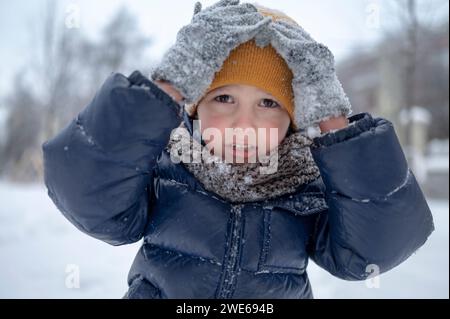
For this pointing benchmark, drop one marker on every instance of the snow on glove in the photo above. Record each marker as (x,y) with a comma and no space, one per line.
(203,45)
(318,93)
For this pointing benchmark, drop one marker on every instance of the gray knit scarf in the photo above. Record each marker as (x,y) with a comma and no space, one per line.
(246,182)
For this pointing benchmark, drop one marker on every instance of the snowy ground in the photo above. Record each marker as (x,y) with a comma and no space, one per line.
(38,249)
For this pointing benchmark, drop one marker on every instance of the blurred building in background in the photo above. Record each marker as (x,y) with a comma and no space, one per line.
(381,81)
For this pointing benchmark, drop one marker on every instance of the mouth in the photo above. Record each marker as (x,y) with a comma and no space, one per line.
(243,150)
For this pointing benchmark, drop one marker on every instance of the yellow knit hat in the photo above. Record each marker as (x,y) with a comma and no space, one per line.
(260,67)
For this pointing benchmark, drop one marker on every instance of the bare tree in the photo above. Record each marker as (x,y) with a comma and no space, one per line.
(417,21)
(23,128)
(52,88)
(120,49)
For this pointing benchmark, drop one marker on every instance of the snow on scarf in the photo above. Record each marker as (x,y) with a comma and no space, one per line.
(245,182)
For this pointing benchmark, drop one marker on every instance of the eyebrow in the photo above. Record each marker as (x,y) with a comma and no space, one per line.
(227,90)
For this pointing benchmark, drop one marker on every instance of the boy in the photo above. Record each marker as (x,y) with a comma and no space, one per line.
(219,227)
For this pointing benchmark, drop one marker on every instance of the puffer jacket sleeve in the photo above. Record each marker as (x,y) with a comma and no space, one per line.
(98,169)
(377,214)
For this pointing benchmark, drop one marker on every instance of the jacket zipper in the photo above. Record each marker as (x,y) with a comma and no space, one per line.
(231,255)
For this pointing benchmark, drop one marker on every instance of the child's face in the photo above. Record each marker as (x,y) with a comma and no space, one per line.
(243,107)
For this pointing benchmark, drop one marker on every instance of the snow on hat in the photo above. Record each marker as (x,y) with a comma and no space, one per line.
(262,67)
(315,93)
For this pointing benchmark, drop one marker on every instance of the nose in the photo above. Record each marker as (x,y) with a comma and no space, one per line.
(244,117)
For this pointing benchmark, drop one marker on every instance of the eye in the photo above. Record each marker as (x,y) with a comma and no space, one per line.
(225,98)
(270,103)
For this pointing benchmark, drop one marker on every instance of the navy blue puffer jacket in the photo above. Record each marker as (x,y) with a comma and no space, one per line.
(108,174)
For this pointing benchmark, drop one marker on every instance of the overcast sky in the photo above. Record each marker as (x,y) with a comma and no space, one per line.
(343,25)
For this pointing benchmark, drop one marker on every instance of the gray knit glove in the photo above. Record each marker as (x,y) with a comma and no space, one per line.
(203,45)
(318,93)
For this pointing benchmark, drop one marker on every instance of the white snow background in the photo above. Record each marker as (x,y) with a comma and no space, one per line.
(38,247)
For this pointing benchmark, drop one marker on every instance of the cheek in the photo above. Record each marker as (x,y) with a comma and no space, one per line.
(274,132)
(210,126)
(209,118)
